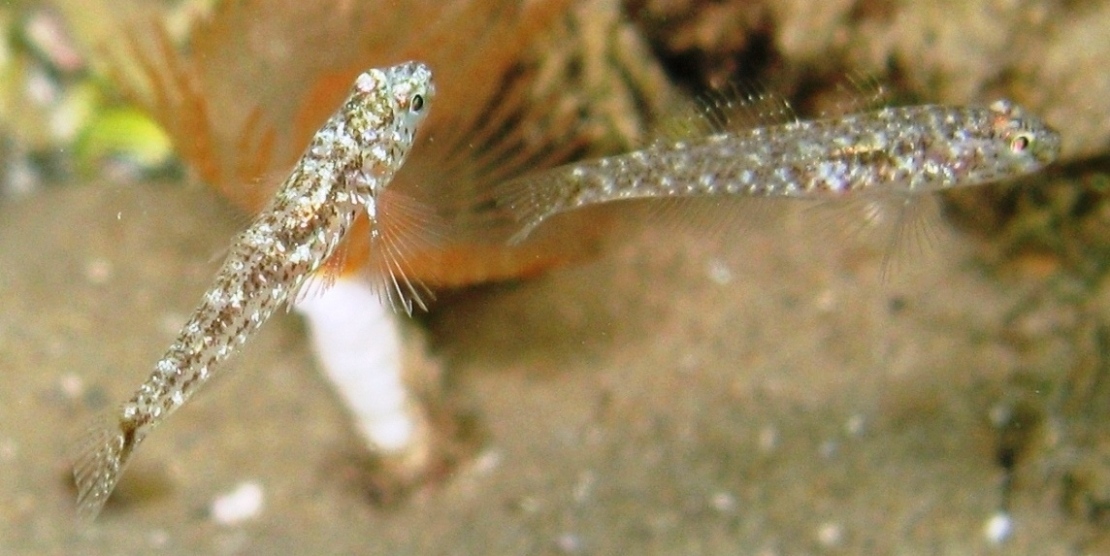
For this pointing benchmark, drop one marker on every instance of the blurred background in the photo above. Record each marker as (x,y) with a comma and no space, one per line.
(621,383)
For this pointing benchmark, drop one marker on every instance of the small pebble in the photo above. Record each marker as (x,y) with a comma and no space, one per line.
(584,487)
(72,386)
(241,504)
(8,450)
(719,272)
(486,462)
(854,425)
(830,534)
(98,271)
(170,322)
(569,543)
(998,528)
(768,439)
(723,502)
(158,538)
(825,301)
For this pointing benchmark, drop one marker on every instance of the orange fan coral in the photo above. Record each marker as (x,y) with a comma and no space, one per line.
(260,76)
(519,87)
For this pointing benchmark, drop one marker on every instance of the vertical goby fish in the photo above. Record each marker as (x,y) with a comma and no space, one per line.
(901,150)
(345,170)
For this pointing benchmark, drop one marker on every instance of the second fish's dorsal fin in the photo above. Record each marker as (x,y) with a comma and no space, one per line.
(742,104)
(856,92)
(733,107)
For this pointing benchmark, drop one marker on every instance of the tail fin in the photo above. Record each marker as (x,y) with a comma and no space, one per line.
(100,455)
(533,198)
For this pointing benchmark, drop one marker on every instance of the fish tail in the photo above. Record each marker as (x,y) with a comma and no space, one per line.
(99,457)
(530,200)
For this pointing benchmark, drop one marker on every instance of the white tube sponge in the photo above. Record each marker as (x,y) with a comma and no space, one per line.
(357,341)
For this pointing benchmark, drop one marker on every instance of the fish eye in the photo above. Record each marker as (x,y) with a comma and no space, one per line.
(1021,142)
(417,103)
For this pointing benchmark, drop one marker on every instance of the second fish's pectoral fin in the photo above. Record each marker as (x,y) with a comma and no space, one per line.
(918,235)
(906,229)
(404,228)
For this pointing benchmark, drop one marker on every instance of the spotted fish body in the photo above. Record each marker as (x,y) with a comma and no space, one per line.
(902,150)
(344,171)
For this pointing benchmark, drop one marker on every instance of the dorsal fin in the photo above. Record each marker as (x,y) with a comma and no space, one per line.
(526,200)
(734,107)
(856,92)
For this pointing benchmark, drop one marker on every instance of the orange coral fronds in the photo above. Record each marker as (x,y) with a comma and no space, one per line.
(260,76)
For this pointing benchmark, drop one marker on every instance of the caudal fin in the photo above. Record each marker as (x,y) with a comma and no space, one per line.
(533,198)
(100,455)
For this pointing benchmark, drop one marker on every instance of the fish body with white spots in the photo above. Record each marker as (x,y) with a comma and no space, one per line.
(345,170)
(903,151)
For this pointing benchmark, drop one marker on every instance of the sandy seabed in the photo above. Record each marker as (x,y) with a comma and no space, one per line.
(758,392)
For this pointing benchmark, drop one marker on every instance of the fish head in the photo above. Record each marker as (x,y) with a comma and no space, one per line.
(383,113)
(1028,144)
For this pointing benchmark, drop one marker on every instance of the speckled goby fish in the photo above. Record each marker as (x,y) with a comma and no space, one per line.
(346,169)
(900,150)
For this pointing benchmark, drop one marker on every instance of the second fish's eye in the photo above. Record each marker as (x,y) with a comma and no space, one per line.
(417,103)
(1020,143)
